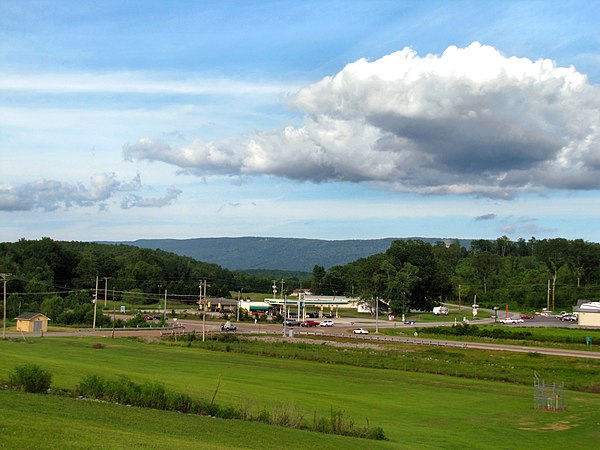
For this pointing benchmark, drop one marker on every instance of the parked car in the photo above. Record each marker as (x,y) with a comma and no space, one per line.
(527,316)
(312,315)
(326,323)
(360,331)
(569,318)
(310,323)
(148,317)
(228,326)
(291,323)
(511,321)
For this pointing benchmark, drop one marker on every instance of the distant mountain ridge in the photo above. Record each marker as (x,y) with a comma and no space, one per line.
(294,254)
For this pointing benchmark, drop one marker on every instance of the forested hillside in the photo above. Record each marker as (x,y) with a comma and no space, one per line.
(532,274)
(248,253)
(59,278)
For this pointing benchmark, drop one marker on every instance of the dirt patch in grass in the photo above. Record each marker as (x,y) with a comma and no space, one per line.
(561,425)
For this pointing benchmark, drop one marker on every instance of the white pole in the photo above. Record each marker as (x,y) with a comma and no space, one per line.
(105,288)
(95,302)
(165,314)
(284,314)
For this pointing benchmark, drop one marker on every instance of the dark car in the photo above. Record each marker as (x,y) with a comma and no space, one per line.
(310,323)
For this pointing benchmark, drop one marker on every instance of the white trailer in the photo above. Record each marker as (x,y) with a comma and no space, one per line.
(440,311)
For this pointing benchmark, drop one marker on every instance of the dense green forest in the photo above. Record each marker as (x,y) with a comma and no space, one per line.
(524,274)
(59,278)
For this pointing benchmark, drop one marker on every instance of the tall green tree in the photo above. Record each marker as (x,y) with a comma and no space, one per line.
(486,264)
(554,253)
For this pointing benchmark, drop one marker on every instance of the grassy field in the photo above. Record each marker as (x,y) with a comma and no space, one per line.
(415,410)
(50,422)
(556,337)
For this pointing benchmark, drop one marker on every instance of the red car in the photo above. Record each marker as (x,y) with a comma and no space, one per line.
(310,323)
(527,316)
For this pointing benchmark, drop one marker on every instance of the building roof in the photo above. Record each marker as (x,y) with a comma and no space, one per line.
(587,306)
(29,316)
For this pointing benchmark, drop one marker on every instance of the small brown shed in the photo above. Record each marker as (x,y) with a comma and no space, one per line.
(32,323)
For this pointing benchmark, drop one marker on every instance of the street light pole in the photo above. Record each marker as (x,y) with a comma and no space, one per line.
(238,304)
(377,315)
(284,314)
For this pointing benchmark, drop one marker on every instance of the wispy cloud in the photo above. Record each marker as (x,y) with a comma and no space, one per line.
(490,216)
(136,83)
(51,195)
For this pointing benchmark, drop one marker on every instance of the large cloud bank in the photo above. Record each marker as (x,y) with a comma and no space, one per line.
(468,121)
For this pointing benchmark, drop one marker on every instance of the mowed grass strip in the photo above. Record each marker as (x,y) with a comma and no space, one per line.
(415,410)
(577,373)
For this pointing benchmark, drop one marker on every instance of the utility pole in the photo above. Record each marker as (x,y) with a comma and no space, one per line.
(165,314)
(95,302)
(203,304)
(4,277)
(105,288)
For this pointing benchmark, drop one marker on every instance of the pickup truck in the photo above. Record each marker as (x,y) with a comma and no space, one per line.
(511,321)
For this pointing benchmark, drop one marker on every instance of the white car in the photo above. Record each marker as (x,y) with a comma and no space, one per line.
(326,323)
(511,321)
(360,331)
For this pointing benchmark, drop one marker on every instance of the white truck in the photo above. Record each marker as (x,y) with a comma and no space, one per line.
(440,311)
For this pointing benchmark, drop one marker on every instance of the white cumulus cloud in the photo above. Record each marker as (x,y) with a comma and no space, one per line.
(468,121)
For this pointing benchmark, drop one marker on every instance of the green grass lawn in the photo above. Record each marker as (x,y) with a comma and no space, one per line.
(556,337)
(50,422)
(415,410)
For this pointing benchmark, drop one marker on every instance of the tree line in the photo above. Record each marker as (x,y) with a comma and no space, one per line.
(412,274)
(58,278)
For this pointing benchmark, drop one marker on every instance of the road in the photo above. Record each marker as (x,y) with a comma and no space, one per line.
(342,327)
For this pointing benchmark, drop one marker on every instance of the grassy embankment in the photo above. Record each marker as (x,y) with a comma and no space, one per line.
(415,410)
(555,337)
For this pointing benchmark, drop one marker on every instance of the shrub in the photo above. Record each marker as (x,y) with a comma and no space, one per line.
(91,386)
(30,378)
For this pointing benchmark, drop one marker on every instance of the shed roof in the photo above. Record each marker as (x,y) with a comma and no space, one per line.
(29,316)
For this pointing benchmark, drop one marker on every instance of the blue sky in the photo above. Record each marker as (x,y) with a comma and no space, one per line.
(122,120)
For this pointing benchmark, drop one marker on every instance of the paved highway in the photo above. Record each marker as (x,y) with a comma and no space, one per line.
(342,327)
